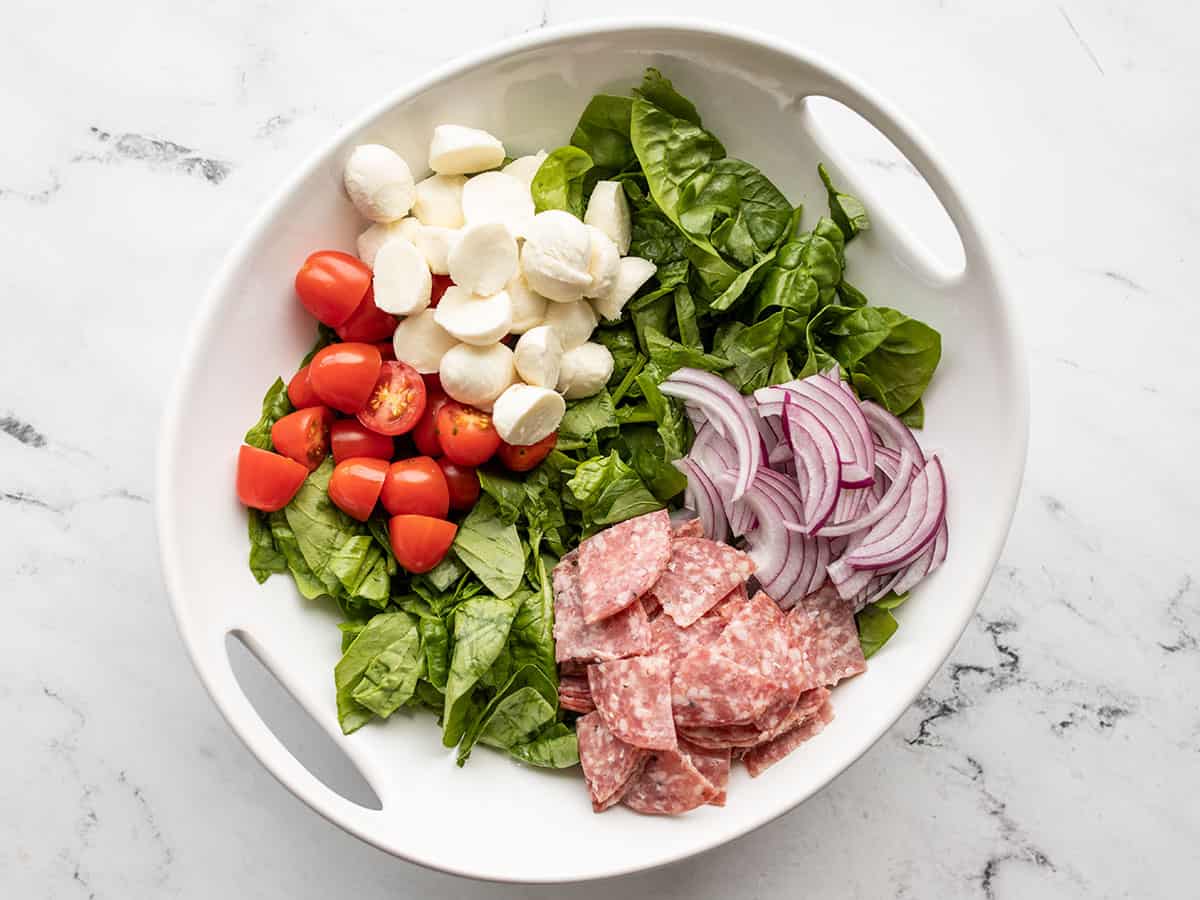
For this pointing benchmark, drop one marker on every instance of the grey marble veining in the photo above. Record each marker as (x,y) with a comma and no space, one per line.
(1056,753)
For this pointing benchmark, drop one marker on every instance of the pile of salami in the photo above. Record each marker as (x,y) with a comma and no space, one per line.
(677,669)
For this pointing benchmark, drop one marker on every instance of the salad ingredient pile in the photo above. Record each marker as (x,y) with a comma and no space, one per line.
(599,453)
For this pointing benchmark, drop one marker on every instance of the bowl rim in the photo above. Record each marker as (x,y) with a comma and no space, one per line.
(978,253)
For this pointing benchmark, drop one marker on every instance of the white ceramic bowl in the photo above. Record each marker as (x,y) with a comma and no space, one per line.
(495,819)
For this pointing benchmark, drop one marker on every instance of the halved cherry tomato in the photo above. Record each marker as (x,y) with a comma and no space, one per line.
(367,323)
(466,434)
(416,486)
(349,438)
(461,482)
(397,400)
(331,284)
(300,390)
(344,375)
(440,284)
(424,433)
(303,435)
(420,542)
(517,458)
(387,350)
(355,484)
(266,480)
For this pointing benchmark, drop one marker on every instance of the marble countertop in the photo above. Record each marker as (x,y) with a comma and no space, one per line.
(1056,753)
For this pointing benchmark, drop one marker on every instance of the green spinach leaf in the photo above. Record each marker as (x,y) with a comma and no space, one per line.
(481,627)
(265,558)
(658,90)
(560,181)
(847,211)
(876,625)
(555,748)
(490,548)
(275,406)
(607,491)
(897,353)
(603,134)
(377,636)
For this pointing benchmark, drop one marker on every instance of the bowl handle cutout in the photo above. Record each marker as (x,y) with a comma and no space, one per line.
(874,155)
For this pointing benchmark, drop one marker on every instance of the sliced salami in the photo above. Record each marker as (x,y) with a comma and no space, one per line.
(673,642)
(690,528)
(699,575)
(652,606)
(633,696)
(810,701)
(762,757)
(713,765)
(572,667)
(822,626)
(723,737)
(756,638)
(618,636)
(575,694)
(669,785)
(710,689)
(619,564)
(610,766)
(729,603)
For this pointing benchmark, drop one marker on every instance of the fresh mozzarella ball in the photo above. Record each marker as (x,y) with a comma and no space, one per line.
(523,168)
(556,254)
(608,210)
(421,342)
(379,183)
(633,273)
(603,263)
(497,197)
(484,260)
(458,150)
(436,243)
(402,281)
(439,201)
(477,375)
(573,321)
(584,371)
(538,355)
(474,320)
(529,307)
(525,414)
(379,234)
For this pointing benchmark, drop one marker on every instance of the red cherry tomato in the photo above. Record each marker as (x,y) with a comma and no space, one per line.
(355,484)
(416,486)
(461,482)
(420,542)
(424,433)
(344,375)
(517,458)
(300,391)
(331,284)
(387,350)
(367,323)
(266,480)
(466,434)
(303,435)
(349,438)
(396,401)
(440,284)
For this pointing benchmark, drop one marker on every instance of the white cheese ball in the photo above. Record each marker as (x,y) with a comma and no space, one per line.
(523,168)
(631,275)
(584,371)
(538,355)
(604,262)
(475,375)
(402,282)
(379,183)
(528,306)
(497,197)
(556,254)
(525,414)
(472,319)
(380,233)
(421,342)
(485,259)
(438,201)
(435,243)
(574,322)
(608,210)
(458,150)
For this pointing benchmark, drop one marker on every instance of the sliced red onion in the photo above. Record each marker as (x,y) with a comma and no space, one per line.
(849,581)
(832,413)
(719,402)
(925,564)
(784,559)
(885,505)
(862,468)
(714,453)
(818,465)
(904,532)
(889,430)
(702,496)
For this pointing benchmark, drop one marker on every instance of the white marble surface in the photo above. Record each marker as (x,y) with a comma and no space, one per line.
(1056,755)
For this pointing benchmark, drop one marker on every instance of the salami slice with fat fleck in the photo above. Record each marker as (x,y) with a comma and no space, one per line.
(710,689)
(762,757)
(722,737)
(690,528)
(609,765)
(619,564)
(633,696)
(668,786)
(668,639)
(575,694)
(625,634)
(713,765)
(822,626)
(700,573)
